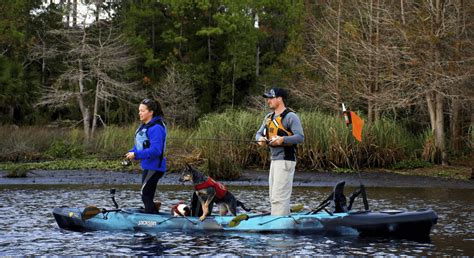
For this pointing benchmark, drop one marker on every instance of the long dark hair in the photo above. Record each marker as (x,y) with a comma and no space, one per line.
(153,105)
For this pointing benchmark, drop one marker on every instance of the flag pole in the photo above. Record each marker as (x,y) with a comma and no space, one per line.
(349,117)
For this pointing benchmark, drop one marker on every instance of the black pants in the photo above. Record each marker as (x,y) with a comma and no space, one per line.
(149,181)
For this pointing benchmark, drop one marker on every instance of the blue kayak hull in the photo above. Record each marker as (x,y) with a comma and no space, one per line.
(414,224)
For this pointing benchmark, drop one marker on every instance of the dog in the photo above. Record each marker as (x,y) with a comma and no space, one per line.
(208,191)
(180,210)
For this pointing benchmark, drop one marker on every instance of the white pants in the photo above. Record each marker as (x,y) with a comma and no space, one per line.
(281,184)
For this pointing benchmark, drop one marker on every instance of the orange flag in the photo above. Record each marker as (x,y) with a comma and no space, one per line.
(357,124)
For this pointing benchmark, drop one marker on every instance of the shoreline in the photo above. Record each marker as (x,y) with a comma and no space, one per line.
(248,178)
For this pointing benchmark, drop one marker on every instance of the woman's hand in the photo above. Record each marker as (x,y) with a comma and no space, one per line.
(130,155)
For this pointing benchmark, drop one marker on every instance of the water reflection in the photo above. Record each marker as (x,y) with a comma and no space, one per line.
(28,227)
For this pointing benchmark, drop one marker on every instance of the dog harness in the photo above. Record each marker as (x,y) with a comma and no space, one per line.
(274,127)
(221,190)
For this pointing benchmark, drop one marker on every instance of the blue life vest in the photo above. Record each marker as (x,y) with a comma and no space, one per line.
(142,140)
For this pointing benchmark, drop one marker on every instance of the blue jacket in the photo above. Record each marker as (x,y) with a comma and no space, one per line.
(150,157)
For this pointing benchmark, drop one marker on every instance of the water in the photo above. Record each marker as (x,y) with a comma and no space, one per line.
(28,227)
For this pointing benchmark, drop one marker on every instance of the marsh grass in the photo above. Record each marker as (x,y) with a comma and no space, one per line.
(227,144)
(221,145)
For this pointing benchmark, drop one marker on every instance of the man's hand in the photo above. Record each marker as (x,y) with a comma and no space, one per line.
(130,155)
(262,141)
(276,141)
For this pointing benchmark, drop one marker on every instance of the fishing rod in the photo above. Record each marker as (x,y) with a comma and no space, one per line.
(214,139)
(53,159)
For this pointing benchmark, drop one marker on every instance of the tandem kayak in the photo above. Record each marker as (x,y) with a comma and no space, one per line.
(332,216)
(397,223)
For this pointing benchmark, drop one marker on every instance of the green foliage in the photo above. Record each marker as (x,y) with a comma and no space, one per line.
(18,82)
(64,149)
(389,142)
(223,144)
(443,173)
(412,164)
(69,164)
(114,141)
(226,142)
(325,139)
(17,171)
(342,170)
(328,143)
(215,43)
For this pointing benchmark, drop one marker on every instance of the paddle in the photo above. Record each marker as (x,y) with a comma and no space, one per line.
(91,211)
(237,219)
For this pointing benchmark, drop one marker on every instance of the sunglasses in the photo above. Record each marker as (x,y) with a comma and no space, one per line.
(147,101)
(272,94)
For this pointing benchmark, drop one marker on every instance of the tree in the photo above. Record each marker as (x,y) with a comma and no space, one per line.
(391,57)
(176,95)
(18,82)
(441,52)
(95,60)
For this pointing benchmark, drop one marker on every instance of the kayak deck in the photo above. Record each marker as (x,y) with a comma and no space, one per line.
(366,223)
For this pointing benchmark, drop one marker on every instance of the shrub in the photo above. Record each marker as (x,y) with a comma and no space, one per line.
(63,149)
(18,171)
(411,164)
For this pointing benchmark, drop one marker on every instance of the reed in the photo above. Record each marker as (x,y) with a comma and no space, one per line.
(113,141)
(28,143)
(326,141)
(225,143)
(387,143)
(222,144)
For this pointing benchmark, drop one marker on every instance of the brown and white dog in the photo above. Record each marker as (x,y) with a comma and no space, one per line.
(180,210)
(209,191)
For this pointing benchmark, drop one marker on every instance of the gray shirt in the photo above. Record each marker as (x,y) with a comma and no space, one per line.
(290,122)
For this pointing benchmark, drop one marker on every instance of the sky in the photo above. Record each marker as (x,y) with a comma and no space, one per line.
(84,12)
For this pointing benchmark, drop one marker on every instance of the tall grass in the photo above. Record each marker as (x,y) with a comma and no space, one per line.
(222,144)
(326,141)
(113,141)
(28,143)
(388,142)
(225,142)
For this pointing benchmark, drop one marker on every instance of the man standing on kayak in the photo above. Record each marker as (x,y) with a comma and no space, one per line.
(281,130)
(149,148)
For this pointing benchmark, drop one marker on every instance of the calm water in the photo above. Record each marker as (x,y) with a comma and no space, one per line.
(27,226)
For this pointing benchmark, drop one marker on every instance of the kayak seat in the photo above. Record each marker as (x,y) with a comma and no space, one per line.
(338,202)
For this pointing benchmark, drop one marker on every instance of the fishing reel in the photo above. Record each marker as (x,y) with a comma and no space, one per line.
(126,162)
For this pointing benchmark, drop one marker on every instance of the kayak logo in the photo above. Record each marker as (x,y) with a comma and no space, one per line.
(147,223)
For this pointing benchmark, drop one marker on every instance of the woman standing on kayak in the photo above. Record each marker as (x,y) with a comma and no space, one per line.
(149,148)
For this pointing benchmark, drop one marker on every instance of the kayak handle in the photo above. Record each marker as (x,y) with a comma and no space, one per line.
(163,221)
(289,216)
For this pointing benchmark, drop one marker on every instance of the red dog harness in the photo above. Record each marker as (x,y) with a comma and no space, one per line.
(221,190)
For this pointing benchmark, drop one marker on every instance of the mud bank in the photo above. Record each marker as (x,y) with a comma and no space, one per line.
(249,178)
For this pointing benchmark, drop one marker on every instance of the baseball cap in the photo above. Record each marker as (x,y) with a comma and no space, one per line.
(275,92)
